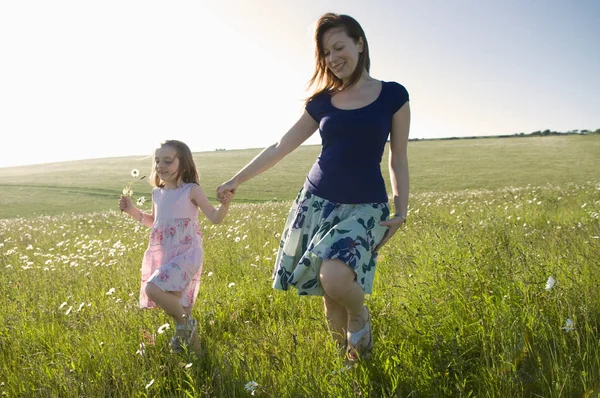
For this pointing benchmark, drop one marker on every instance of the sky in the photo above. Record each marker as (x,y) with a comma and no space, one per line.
(94,79)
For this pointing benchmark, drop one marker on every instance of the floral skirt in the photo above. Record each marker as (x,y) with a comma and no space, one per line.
(173,269)
(317,230)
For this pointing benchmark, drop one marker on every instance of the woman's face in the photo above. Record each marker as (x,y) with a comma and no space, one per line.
(341,52)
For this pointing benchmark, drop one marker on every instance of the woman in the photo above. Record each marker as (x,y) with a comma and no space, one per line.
(340,218)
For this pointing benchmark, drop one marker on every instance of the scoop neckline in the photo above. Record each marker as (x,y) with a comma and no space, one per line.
(362,107)
(176,188)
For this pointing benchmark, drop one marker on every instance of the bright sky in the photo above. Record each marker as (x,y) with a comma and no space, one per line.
(89,79)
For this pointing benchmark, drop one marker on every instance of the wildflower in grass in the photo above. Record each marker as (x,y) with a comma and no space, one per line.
(569,325)
(110,291)
(343,369)
(69,310)
(210,273)
(147,337)
(62,305)
(251,387)
(452,211)
(142,350)
(189,365)
(149,384)
(162,328)
(550,283)
(232,284)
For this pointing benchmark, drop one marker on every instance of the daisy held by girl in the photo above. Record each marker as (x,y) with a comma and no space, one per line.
(172,263)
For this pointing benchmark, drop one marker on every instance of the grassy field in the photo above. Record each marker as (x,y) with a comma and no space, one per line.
(440,166)
(463,303)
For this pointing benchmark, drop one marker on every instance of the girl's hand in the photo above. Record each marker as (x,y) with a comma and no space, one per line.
(226,197)
(125,203)
(393,225)
(226,190)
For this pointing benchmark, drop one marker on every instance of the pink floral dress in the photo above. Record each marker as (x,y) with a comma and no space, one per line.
(173,260)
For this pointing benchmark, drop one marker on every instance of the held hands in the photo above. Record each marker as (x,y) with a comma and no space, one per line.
(393,225)
(226,191)
(225,198)
(125,204)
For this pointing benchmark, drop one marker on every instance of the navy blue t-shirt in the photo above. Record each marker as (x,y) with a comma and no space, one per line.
(348,170)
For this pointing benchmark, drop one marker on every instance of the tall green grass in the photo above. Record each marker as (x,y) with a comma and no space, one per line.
(460,306)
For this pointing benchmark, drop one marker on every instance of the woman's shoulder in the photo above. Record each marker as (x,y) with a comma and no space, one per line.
(394,86)
(318,104)
(396,94)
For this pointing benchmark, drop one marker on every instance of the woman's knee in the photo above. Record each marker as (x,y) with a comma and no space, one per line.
(336,277)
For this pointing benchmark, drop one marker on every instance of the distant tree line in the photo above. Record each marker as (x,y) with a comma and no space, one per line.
(534,134)
(550,132)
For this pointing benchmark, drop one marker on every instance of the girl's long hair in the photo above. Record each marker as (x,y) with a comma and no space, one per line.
(323,79)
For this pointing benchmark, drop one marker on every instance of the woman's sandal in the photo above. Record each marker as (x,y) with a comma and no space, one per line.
(360,343)
(177,342)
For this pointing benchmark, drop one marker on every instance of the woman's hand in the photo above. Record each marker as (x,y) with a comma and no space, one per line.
(226,191)
(393,225)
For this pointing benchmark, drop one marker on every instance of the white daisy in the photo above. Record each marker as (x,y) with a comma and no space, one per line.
(162,328)
(569,325)
(251,387)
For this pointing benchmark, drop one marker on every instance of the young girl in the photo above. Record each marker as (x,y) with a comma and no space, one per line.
(173,261)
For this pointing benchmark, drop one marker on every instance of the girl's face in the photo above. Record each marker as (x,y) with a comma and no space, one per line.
(341,52)
(166,164)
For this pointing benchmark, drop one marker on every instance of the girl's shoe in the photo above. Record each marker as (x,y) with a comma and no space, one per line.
(178,341)
(360,343)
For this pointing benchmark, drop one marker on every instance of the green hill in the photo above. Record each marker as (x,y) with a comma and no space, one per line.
(435,165)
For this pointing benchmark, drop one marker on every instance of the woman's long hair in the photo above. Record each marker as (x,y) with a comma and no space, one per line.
(323,79)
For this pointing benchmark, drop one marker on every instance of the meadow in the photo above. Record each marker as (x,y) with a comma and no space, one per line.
(491,289)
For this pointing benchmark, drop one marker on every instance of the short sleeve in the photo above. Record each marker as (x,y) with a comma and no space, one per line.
(398,96)
(315,107)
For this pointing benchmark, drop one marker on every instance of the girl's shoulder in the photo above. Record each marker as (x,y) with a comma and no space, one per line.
(190,187)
